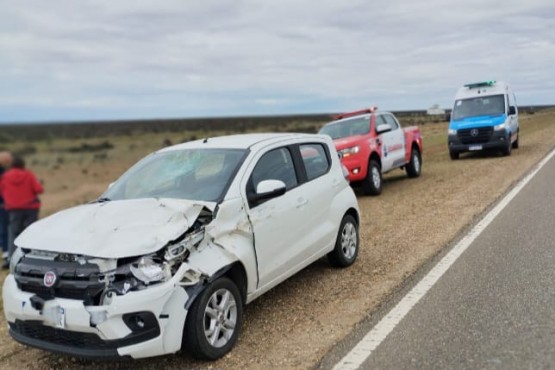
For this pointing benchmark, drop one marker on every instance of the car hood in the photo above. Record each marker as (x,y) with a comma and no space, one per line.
(114,229)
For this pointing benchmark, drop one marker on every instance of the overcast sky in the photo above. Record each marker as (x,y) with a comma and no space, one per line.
(88,60)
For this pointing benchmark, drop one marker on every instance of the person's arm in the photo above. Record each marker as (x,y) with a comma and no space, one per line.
(37,186)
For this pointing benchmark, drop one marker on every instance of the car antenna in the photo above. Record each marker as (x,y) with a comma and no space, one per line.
(205,140)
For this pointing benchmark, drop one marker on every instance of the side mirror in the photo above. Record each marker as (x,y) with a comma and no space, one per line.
(384,127)
(268,189)
(512,110)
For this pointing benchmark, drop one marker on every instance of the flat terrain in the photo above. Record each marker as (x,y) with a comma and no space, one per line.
(297,323)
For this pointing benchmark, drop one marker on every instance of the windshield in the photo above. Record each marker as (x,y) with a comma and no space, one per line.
(345,128)
(481,106)
(194,174)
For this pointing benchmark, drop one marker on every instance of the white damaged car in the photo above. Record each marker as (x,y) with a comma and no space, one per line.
(171,252)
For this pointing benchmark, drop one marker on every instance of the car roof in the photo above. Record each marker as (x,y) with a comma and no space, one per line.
(242,141)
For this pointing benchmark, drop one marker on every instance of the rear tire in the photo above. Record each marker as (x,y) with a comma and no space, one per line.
(346,245)
(214,320)
(414,167)
(372,184)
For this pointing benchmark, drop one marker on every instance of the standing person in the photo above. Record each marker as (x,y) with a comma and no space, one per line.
(20,189)
(5,163)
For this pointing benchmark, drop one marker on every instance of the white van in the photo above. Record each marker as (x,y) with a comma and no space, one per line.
(485,116)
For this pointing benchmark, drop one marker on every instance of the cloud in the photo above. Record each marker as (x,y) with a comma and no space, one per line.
(138,59)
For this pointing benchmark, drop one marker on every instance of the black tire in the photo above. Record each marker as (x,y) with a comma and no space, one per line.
(195,338)
(516,144)
(507,150)
(454,155)
(346,245)
(372,184)
(414,167)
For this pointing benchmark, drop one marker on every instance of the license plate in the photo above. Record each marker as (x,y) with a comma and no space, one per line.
(475,147)
(60,317)
(55,316)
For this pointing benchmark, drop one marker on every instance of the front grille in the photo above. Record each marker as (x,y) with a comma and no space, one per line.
(36,330)
(73,280)
(475,135)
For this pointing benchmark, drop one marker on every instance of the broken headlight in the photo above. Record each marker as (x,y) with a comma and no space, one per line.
(181,249)
(148,271)
(154,268)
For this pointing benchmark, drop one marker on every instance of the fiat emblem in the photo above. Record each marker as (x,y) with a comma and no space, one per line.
(474,132)
(49,279)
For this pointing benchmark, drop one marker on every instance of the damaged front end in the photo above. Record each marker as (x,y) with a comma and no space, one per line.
(96,307)
(96,281)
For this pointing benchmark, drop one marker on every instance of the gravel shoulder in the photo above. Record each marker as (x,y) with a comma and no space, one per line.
(295,325)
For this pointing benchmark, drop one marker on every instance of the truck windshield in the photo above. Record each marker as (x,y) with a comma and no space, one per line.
(194,174)
(479,106)
(348,127)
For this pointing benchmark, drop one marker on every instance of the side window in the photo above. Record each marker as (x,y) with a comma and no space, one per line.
(391,121)
(315,159)
(275,165)
(380,120)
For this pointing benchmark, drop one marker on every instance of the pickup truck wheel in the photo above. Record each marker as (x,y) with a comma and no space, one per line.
(346,245)
(454,155)
(214,320)
(372,184)
(415,165)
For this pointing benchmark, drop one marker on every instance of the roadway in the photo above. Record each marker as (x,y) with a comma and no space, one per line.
(494,307)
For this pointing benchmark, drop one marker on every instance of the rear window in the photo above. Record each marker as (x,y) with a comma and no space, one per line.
(315,160)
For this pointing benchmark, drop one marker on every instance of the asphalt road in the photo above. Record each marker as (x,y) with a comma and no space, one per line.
(495,306)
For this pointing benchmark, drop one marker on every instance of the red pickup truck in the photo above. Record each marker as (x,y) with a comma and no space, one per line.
(372,143)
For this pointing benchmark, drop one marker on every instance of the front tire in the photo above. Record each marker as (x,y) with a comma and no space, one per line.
(214,320)
(454,155)
(372,184)
(507,150)
(414,167)
(516,144)
(346,245)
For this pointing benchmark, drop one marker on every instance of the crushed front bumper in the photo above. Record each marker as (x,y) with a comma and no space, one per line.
(138,324)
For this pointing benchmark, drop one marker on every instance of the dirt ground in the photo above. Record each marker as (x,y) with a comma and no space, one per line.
(294,325)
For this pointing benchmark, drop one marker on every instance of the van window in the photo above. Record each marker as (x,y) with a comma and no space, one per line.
(479,106)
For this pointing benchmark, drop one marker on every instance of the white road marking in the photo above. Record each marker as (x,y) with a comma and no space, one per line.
(378,333)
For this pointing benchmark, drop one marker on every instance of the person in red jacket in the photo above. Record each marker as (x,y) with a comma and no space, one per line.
(20,189)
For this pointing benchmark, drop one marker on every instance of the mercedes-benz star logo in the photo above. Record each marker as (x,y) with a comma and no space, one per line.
(49,279)
(474,132)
